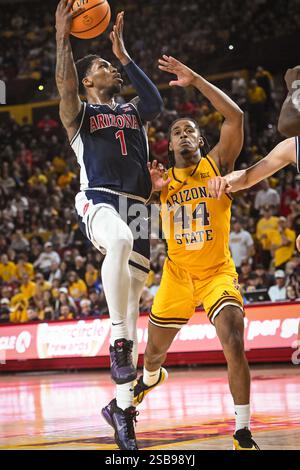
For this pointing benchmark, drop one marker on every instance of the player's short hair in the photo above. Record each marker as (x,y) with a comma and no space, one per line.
(204,150)
(83,67)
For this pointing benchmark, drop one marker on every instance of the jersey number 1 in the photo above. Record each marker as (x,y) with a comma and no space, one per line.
(120,135)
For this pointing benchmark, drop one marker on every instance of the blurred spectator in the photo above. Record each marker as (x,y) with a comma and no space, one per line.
(64,299)
(241,244)
(98,302)
(77,287)
(289,194)
(65,313)
(257,99)
(79,267)
(24,267)
(146,300)
(47,124)
(19,242)
(277,292)
(160,149)
(282,242)
(55,272)
(291,293)
(239,88)
(267,196)
(265,225)
(245,271)
(266,278)
(85,309)
(156,283)
(91,275)
(7,269)
(4,311)
(265,80)
(28,287)
(46,259)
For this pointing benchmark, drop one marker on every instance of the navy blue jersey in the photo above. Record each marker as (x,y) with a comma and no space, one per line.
(298,153)
(112,150)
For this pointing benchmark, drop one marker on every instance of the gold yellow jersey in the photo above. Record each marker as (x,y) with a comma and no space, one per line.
(195,225)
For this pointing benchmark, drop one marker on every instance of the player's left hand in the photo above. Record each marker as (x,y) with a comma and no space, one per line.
(116,37)
(158,176)
(185,75)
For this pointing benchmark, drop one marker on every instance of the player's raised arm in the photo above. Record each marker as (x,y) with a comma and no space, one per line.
(66,74)
(289,119)
(282,155)
(149,102)
(232,135)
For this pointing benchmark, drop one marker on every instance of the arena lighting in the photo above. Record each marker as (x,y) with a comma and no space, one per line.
(41,87)
(231,47)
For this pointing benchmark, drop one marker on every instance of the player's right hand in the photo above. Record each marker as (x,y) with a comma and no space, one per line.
(218,186)
(64,16)
(159,176)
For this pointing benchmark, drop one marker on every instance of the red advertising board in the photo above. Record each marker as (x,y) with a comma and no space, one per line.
(272,326)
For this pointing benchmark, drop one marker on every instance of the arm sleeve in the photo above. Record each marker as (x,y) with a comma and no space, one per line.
(150,103)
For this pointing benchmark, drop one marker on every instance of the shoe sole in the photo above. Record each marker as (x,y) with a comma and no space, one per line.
(163,378)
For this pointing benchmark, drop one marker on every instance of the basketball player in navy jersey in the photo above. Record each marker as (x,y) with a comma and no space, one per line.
(110,143)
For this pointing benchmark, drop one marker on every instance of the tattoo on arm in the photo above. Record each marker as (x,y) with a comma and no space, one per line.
(67,82)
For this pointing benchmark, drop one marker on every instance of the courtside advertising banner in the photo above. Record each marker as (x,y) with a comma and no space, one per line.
(271,326)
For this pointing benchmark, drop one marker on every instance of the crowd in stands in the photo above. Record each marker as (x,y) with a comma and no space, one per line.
(204,32)
(49,271)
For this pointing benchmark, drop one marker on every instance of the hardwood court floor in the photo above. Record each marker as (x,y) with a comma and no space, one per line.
(193,410)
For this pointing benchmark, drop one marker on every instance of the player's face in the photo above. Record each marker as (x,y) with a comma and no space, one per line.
(185,139)
(104,76)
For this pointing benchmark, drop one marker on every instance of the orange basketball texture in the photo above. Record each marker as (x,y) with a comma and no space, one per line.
(93,20)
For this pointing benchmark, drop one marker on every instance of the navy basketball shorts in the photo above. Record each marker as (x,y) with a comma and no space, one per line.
(116,210)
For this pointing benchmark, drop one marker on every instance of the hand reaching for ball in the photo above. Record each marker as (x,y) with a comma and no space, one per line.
(185,75)
(116,37)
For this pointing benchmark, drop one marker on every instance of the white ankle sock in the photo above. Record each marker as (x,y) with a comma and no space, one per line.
(150,377)
(118,331)
(124,395)
(242,416)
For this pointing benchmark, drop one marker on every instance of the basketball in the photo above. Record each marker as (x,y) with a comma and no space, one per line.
(92,21)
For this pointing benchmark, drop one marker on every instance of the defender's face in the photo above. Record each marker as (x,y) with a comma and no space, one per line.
(104,76)
(185,138)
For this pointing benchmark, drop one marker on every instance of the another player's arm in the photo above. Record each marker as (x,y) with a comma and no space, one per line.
(232,135)
(149,102)
(282,155)
(231,140)
(289,119)
(66,74)
(159,179)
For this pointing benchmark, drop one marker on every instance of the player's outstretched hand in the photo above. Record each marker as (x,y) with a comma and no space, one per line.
(185,75)
(218,186)
(64,16)
(291,76)
(116,37)
(158,175)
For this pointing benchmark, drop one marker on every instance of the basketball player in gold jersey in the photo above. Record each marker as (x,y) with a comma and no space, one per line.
(199,268)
